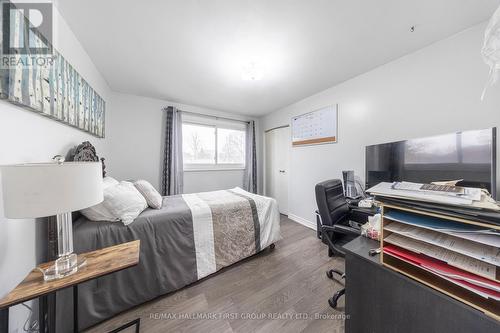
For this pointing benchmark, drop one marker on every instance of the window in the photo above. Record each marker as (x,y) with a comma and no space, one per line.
(230,146)
(209,144)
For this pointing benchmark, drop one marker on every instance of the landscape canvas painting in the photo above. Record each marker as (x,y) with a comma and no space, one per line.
(51,86)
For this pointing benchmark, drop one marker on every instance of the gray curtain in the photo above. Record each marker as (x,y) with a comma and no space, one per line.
(172,173)
(250,175)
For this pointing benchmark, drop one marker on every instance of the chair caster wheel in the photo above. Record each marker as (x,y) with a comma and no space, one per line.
(332,302)
(329,274)
(272,246)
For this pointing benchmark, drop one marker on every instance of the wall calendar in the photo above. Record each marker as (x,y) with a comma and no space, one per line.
(316,127)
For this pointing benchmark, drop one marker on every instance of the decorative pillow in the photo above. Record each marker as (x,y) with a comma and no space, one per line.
(153,198)
(109,181)
(99,212)
(124,201)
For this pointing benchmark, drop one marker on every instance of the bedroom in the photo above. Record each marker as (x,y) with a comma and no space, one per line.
(395,70)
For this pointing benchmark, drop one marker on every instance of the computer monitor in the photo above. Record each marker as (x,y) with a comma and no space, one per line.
(467,155)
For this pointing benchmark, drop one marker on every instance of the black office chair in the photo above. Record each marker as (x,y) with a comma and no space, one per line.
(334,230)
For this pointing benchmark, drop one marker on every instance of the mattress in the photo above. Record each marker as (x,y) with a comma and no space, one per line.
(189,238)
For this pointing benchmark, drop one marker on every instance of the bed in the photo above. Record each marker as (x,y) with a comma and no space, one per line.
(189,238)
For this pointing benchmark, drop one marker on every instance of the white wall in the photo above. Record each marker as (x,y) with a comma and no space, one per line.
(135,130)
(434,90)
(28,137)
(203,181)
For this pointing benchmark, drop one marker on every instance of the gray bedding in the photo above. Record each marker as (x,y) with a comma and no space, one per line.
(177,249)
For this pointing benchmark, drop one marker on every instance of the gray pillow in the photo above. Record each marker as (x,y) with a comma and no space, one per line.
(152,196)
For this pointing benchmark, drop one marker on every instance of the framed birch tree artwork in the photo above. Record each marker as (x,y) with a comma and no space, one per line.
(46,83)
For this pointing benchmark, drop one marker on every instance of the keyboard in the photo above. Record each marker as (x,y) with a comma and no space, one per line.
(443,188)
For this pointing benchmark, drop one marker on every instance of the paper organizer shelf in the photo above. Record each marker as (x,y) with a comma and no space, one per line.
(453,255)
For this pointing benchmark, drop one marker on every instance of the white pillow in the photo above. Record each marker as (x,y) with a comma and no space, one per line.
(109,181)
(124,201)
(153,198)
(99,212)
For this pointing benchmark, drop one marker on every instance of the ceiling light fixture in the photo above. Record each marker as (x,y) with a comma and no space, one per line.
(251,72)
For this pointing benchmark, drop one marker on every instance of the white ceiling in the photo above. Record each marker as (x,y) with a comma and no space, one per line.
(192,51)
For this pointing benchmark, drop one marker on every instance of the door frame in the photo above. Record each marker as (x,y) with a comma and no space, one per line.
(264,154)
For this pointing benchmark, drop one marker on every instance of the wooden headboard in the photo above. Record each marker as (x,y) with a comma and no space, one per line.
(85,152)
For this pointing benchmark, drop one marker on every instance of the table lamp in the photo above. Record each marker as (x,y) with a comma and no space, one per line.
(45,189)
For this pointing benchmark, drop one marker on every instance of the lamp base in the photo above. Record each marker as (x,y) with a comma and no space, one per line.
(68,262)
(64,266)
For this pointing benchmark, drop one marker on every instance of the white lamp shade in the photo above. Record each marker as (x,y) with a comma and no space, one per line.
(45,189)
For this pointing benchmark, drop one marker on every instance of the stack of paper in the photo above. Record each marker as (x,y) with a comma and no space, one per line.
(473,194)
(454,259)
(472,197)
(485,253)
(481,235)
(477,284)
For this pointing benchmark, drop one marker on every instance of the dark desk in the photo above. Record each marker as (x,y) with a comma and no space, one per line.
(379,300)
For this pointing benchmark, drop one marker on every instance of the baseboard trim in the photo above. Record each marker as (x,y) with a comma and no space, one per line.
(304,222)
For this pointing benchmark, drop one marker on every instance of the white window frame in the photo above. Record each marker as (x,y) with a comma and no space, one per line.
(213,123)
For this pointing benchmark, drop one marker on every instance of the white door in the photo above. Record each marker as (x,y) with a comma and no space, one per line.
(278,144)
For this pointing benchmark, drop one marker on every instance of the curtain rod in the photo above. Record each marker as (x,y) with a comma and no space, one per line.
(216,117)
(275,128)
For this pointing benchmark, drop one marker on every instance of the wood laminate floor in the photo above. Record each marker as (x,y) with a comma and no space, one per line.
(280,290)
